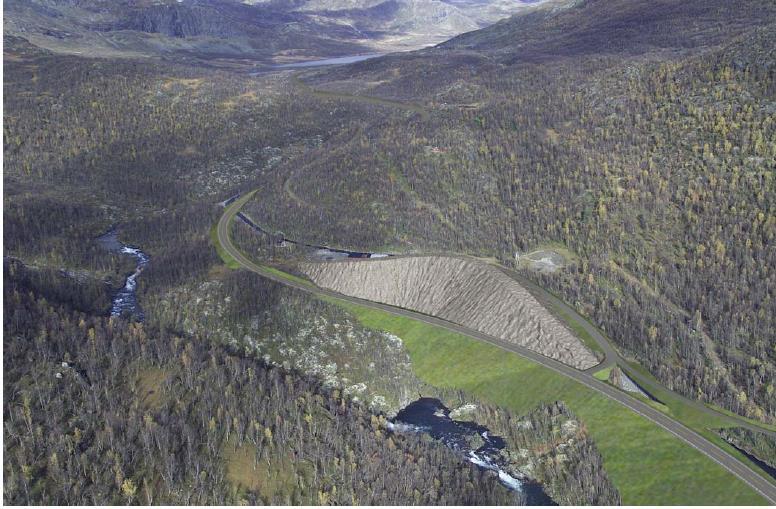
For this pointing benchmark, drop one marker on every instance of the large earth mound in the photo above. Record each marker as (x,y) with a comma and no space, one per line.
(466,292)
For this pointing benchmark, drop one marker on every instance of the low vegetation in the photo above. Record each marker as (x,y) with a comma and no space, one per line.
(759,445)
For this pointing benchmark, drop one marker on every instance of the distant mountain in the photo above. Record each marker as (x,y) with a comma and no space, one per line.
(250,29)
(200,28)
(427,17)
(579,27)
(397,17)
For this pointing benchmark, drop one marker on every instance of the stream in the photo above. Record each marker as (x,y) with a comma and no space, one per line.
(472,441)
(771,471)
(125,300)
(318,63)
(329,61)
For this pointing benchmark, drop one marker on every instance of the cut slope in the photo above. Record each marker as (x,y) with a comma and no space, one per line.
(471,294)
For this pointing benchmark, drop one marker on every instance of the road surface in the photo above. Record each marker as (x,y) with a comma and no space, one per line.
(757,482)
(612,356)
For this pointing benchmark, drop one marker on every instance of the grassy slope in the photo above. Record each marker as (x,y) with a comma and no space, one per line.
(701,422)
(578,330)
(267,478)
(231,263)
(647,464)
(731,414)
(672,404)
(225,257)
(603,375)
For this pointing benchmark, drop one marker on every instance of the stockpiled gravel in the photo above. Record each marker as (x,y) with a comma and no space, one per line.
(466,292)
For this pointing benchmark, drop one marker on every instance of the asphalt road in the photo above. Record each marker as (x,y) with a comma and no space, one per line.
(733,465)
(612,356)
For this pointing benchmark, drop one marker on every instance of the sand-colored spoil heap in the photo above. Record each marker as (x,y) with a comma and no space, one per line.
(466,292)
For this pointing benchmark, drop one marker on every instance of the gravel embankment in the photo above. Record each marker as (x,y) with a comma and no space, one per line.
(466,292)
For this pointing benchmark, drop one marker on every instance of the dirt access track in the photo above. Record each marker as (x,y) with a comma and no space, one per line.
(469,293)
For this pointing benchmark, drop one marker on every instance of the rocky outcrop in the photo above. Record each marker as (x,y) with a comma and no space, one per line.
(179,21)
(622,381)
(465,292)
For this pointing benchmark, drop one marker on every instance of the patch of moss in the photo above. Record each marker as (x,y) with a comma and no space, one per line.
(150,390)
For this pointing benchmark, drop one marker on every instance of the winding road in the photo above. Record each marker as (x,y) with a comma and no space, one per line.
(366,99)
(736,467)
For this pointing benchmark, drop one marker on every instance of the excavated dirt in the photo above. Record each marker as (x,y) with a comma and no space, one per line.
(466,292)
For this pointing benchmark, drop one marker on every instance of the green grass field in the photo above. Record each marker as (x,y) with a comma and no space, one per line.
(286,275)
(647,464)
(702,422)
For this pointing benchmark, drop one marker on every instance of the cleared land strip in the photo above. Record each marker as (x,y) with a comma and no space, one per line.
(326,94)
(757,482)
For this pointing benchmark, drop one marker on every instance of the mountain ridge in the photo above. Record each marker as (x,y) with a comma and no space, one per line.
(257,30)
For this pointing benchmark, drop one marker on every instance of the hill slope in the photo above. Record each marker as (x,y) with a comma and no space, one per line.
(600,27)
(648,155)
(231,29)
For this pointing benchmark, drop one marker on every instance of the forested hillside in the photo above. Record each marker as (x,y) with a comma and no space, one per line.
(92,144)
(108,412)
(657,177)
(573,470)
(644,158)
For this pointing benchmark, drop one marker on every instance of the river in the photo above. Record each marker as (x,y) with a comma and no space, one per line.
(473,442)
(329,61)
(125,301)
(318,63)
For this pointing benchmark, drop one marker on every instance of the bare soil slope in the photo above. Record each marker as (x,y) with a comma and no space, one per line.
(466,292)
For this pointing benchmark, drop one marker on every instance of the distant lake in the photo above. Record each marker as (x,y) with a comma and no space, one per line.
(329,61)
